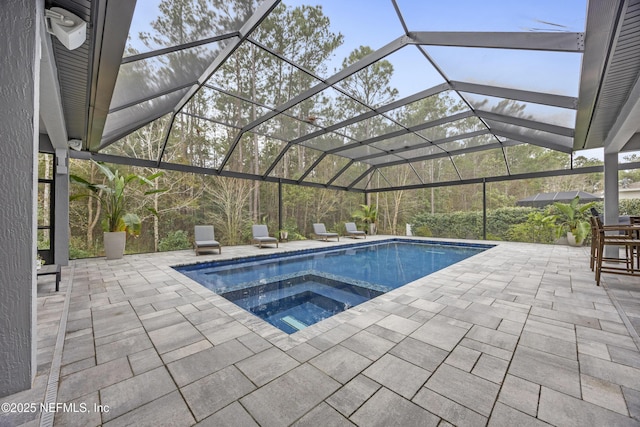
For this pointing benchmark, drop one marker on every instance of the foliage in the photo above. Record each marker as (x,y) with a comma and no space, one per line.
(77,253)
(538,228)
(468,225)
(460,225)
(175,240)
(114,199)
(367,214)
(627,207)
(294,234)
(500,220)
(77,249)
(571,217)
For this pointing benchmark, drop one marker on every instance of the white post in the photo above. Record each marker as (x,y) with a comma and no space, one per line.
(611,211)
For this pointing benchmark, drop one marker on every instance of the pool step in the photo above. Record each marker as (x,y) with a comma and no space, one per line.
(294,323)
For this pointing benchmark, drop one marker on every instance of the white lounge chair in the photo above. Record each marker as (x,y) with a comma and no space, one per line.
(261,235)
(353,231)
(320,230)
(205,239)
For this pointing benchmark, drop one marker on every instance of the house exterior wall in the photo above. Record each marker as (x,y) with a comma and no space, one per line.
(19,31)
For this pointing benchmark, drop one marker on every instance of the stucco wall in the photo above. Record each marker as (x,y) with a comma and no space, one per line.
(19,32)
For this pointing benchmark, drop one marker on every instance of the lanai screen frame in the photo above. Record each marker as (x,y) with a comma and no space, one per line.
(543,41)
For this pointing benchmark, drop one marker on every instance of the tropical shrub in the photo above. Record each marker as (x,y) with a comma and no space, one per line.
(175,240)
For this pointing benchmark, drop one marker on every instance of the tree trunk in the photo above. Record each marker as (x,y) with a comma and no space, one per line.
(92,217)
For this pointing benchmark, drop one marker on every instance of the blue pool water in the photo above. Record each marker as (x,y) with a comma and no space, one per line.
(295,290)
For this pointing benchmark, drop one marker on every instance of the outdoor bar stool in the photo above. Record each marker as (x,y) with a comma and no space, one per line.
(625,236)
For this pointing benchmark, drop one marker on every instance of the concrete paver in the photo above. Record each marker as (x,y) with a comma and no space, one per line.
(517,335)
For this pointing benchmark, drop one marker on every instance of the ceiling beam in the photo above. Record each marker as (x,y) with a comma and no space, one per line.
(627,122)
(341,171)
(515,177)
(51,112)
(557,41)
(145,163)
(531,124)
(369,114)
(342,74)
(602,25)
(518,95)
(171,49)
(110,32)
(252,23)
(533,141)
(400,132)
(490,146)
(426,144)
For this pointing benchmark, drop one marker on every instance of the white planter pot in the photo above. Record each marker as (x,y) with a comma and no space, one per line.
(572,241)
(372,229)
(114,242)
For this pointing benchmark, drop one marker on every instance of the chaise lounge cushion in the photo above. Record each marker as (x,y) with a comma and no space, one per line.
(353,231)
(321,231)
(261,235)
(205,239)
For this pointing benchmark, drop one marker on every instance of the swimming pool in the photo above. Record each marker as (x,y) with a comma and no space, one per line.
(297,289)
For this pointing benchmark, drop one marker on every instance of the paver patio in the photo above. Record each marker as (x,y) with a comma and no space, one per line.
(516,335)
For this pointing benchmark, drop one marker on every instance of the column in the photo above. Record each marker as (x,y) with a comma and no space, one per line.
(611,211)
(61,211)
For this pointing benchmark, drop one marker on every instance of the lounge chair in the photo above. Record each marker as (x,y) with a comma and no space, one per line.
(353,231)
(261,235)
(205,239)
(320,231)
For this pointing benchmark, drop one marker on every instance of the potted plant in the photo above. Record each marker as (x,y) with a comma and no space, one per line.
(114,202)
(367,214)
(571,219)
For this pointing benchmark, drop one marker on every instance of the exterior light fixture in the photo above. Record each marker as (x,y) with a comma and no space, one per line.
(67,27)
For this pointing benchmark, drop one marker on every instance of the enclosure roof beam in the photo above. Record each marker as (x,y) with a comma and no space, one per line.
(365,173)
(400,132)
(341,171)
(312,167)
(534,141)
(604,23)
(340,75)
(171,49)
(149,98)
(444,154)
(531,175)
(426,144)
(110,31)
(531,124)
(369,114)
(344,73)
(252,23)
(551,41)
(145,163)
(121,133)
(517,94)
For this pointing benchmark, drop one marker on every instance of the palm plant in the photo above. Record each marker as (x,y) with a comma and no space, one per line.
(114,200)
(367,214)
(572,218)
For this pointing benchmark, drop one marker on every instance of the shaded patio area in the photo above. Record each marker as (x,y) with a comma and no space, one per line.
(517,335)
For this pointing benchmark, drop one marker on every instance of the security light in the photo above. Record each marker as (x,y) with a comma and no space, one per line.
(67,27)
(75,144)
